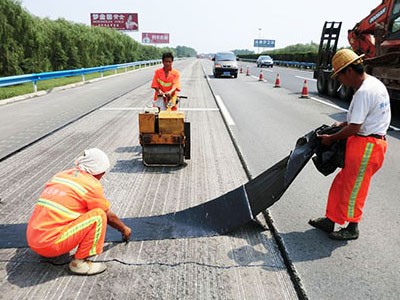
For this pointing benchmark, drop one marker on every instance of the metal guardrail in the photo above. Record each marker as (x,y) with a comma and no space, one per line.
(286,63)
(295,64)
(34,78)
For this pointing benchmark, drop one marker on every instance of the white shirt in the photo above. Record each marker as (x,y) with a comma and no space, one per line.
(370,107)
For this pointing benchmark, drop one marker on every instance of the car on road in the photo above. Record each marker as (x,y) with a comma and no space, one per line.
(225,64)
(265,61)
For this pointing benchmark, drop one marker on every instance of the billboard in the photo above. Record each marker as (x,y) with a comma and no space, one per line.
(155,38)
(119,21)
(264,43)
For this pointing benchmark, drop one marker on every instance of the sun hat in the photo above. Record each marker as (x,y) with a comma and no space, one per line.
(94,161)
(344,58)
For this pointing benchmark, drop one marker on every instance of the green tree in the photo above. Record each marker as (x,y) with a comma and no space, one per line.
(29,44)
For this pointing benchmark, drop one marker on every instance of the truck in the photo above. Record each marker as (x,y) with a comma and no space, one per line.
(377,36)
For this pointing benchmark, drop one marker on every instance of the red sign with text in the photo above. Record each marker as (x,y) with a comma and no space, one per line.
(155,38)
(119,21)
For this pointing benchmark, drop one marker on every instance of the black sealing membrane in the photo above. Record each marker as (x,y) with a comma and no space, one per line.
(218,216)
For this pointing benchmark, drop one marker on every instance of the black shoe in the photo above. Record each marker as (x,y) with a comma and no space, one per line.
(344,234)
(323,224)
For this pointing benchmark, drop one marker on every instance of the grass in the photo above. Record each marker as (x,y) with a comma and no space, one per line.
(27,88)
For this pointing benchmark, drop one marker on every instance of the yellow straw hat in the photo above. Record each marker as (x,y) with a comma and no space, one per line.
(344,58)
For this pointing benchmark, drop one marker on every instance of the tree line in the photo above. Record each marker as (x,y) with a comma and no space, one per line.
(29,44)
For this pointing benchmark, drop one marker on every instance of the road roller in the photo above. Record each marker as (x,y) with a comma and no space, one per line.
(164,137)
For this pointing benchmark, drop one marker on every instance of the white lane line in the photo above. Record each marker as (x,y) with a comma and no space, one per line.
(144,108)
(224,111)
(199,109)
(329,104)
(306,78)
(122,108)
(343,109)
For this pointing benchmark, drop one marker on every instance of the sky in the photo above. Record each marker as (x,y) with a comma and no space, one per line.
(210,26)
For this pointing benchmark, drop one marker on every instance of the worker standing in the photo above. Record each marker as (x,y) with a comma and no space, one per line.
(166,84)
(73,212)
(368,120)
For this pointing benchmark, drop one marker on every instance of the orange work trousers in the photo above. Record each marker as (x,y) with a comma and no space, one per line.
(364,156)
(87,232)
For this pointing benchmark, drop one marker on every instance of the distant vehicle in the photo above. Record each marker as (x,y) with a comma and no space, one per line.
(225,64)
(265,61)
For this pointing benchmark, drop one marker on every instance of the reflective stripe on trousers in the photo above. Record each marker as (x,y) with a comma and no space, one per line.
(87,232)
(347,195)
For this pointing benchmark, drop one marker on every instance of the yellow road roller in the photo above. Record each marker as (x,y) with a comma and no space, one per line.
(164,137)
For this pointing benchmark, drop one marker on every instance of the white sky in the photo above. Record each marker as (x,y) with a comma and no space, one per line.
(219,25)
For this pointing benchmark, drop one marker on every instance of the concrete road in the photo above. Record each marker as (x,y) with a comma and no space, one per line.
(243,265)
(266,124)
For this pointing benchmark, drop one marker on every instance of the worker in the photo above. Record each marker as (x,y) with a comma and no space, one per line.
(166,84)
(73,212)
(368,120)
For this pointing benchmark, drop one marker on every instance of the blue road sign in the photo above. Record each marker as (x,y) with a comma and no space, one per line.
(264,43)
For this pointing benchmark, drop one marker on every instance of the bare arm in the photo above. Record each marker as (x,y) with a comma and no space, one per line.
(348,130)
(115,222)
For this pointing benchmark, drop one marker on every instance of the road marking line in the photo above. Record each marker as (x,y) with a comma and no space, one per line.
(306,78)
(199,109)
(122,108)
(329,104)
(343,109)
(224,111)
(144,108)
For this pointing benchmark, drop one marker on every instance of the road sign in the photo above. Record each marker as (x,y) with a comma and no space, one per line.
(264,43)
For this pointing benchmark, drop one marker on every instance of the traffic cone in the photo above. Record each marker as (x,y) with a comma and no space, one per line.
(248,72)
(261,78)
(277,81)
(304,92)
(241,69)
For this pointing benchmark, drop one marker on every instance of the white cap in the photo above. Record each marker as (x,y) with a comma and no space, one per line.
(94,161)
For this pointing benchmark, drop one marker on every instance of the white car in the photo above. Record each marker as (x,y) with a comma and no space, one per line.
(265,61)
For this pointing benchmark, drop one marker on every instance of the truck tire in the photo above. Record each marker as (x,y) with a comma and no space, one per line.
(332,87)
(321,84)
(345,93)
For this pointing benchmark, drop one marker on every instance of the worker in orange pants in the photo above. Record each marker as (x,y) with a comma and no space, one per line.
(350,187)
(87,232)
(368,120)
(73,212)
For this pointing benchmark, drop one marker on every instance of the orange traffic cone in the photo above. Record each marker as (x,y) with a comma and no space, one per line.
(261,78)
(241,70)
(304,92)
(248,72)
(277,81)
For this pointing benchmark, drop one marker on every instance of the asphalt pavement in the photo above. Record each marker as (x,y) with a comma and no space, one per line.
(267,122)
(245,264)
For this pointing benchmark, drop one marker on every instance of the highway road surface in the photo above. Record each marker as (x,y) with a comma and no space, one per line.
(240,127)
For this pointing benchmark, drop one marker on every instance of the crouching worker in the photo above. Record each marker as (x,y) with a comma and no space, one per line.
(73,212)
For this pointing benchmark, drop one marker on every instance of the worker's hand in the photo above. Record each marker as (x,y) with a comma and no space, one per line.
(338,124)
(326,139)
(168,95)
(126,234)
